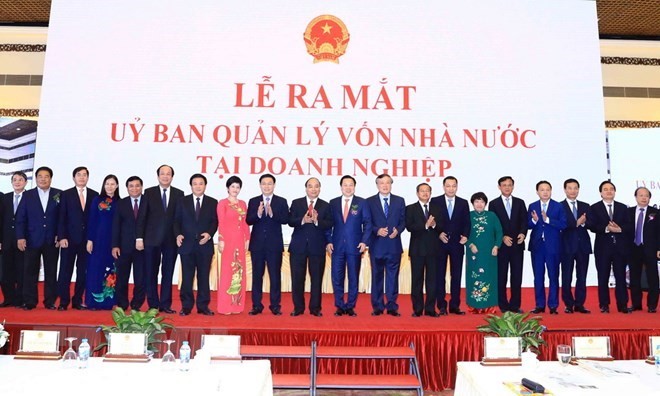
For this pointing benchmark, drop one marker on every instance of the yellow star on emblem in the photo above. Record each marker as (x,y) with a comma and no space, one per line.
(326,28)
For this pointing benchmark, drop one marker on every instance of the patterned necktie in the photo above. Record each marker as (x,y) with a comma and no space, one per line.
(17,197)
(574,210)
(544,208)
(508,207)
(135,208)
(450,208)
(165,199)
(426,211)
(82,199)
(609,211)
(198,208)
(346,209)
(310,208)
(386,207)
(639,227)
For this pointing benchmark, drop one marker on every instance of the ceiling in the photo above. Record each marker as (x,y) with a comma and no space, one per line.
(632,19)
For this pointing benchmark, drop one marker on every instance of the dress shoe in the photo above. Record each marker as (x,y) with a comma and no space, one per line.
(167,310)
(416,314)
(296,313)
(553,311)
(624,310)
(28,307)
(637,308)
(393,312)
(62,308)
(652,310)
(5,304)
(318,314)
(568,310)
(255,311)
(456,311)
(443,311)
(51,307)
(276,311)
(538,310)
(377,312)
(350,312)
(136,309)
(604,309)
(80,307)
(339,312)
(432,314)
(206,312)
(184,312)
(581,309)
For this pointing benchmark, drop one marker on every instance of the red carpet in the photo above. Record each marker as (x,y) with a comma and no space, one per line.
(440,342)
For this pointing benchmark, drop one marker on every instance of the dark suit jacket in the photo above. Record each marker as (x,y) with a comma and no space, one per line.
(459,225)
(73,221)
(8,219)
(515,225)
(309,238)
(158,226)
(575,239)
(550,232)
(185,223)
(345,237)
(599,220)
(124,224)
(650,230)
(384,246)
(35,225)
(423,241)
(266,231)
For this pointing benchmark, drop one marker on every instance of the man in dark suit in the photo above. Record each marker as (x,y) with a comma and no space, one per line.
(512,213)
(546,219)
(388,219)
(36,233)
(72,234)
(195,223)
(423,223)
(126,249)
(347,240)
(455,219)
(642,231)
(310,217)
(266,213)
(157,234)
(12,259)
(607,217)
(575,249)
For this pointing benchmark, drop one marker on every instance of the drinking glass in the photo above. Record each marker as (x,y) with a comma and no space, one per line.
(168,362)
(564,354)
(70,357)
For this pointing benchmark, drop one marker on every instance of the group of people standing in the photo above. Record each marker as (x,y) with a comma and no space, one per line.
(106,237)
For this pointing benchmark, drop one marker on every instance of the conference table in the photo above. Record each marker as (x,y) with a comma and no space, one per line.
(620,377)
(45,377)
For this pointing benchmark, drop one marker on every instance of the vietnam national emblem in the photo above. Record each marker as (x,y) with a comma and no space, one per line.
(326,38)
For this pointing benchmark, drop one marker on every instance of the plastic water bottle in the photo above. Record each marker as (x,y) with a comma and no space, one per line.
(83,354)
(657,359)
(184,356)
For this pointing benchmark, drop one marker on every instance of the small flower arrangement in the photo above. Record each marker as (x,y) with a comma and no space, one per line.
(3,335)
(354,210)
(105,204)
(56,198)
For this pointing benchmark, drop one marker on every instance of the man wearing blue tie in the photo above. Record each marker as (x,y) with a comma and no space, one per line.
(546,219)
(388,214)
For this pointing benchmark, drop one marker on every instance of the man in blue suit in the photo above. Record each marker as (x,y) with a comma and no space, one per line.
(546,219)
(455,218)
(72,234)
(576,248)
(347,240)
(36,233)
(13,259)
(195,223)
(310,218)
(126,249)
(606,221)
(266,213)
(388,217)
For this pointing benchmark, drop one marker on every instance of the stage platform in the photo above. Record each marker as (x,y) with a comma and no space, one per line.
(439,342)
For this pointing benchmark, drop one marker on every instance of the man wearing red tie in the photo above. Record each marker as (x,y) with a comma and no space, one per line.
(310,217)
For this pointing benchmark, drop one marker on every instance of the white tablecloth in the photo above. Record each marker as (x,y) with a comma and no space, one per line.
(40,377)
(622,377)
